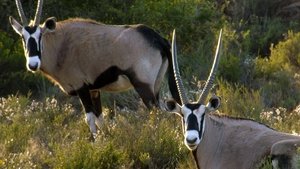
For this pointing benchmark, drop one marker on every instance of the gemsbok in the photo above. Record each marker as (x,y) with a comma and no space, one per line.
(222,142)
(83,56)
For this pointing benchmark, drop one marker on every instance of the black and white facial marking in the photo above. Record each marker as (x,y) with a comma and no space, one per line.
(193,118)
(32,40)
(31,37)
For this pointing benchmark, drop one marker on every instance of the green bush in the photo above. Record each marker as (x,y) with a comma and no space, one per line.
(153,141)
(286,55)
(230,68)
(83,154)
(277,77)
(239,101)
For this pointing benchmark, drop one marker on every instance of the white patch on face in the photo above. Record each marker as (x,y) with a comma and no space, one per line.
(33,61)
(193,135)
(185,112)
(199,112)
(36,35)
(26,35)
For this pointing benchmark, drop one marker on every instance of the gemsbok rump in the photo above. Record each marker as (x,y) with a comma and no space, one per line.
(84,56)
(221,142)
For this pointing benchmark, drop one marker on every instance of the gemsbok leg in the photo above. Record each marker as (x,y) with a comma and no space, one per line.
(93,113)
(96,99)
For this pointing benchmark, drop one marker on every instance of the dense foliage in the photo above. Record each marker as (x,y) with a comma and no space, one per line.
(258,78)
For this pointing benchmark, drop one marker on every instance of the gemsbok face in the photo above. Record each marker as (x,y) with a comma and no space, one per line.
(193,119)
(193,113)
(31,34)
(84,57)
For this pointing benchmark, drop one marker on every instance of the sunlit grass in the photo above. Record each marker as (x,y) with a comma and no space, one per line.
(47,134)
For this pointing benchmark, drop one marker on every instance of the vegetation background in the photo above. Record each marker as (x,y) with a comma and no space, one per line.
(258,78)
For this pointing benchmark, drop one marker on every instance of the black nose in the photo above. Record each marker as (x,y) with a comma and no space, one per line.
(191,141)
(33,67)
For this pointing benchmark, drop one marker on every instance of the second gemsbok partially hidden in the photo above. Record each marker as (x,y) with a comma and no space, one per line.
(222,142)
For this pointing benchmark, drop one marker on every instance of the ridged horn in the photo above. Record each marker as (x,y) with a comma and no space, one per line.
(21,13)
(212,74)
(38,13)
(181,91)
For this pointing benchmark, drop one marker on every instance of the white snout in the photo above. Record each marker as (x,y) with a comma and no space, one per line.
(33,63)
(191,139)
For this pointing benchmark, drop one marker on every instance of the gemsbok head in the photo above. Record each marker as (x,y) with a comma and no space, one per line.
(222,142)
(83,56)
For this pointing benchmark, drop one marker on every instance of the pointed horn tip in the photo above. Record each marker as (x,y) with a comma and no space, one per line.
(38,12)
(11,19)
(173,35)
(221,32)
(211,78)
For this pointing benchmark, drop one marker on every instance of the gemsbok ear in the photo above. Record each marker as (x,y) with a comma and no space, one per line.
(49,25)
(172,106)
(16,26)
(214,103)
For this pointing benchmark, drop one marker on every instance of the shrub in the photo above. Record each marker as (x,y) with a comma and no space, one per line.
(83,154)
(286,55)
(150,140)
(48,134)
(277,75)
(231,69)
(238,101)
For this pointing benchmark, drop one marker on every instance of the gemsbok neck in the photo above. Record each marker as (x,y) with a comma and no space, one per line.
(227,139)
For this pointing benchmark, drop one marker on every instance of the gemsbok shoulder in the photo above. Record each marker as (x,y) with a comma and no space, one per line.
(221,142)
(83,56)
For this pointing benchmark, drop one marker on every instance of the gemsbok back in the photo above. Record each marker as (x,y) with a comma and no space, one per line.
(84,56)
(221,142)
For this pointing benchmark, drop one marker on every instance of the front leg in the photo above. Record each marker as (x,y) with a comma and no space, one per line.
(96,99)
(87,103)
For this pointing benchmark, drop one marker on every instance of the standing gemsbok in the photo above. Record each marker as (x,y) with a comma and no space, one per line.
(221,142)
(82,56)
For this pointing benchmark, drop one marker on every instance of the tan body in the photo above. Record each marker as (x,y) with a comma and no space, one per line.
(83,56)
(80,50)
(230,143)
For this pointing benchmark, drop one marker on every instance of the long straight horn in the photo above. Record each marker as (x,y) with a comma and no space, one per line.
(213,72)
(38,13)
(177,76)
(21,13)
